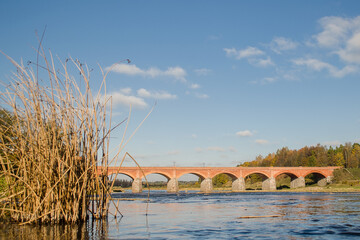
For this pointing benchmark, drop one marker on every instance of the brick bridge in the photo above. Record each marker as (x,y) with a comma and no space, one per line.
(238,174)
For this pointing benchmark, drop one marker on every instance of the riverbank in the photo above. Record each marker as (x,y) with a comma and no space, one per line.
(313,188)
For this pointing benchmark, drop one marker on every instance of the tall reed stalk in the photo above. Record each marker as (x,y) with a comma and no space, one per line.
(56,136)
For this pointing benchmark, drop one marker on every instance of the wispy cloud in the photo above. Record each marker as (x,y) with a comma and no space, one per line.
(125,97)
(201,95)
(252,54)
(262,62)
(119,98)
(261,141)
(351,52)
(155,94)
(177,73)
(342,36)
(244,53)
(335,31)
(126,91)
(318,65)
(280,44)
(265,80)
(245,133)
(194,86)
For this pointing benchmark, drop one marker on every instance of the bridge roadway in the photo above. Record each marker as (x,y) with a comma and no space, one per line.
(238,175)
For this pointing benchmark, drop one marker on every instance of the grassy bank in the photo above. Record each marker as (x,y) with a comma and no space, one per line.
(312,188)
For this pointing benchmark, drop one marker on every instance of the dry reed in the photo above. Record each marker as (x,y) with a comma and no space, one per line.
(54,150)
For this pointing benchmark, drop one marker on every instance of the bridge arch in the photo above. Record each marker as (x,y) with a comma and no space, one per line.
(288,173)
(224,179)
(256,180)
(317,177)
(122,173)
(231,175)
(158,172)
(287,179)
(261,173)
(200,175)
(315,172)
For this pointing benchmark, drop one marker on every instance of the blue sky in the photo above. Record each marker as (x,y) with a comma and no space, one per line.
(232,79)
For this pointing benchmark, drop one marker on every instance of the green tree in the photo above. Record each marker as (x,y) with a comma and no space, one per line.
(339,159)
(221,179)
(354,159)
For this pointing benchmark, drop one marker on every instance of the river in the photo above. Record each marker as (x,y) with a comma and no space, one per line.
(249,215)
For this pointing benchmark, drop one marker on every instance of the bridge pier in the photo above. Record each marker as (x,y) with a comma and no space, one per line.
(324,181)
(136,185)
(269,184)
(172,186)
(298,182)
(329,179)
(206,185)
(238,185)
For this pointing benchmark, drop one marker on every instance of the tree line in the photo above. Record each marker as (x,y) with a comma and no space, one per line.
(347,156)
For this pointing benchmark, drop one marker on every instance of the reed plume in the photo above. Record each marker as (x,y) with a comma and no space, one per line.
(54,138)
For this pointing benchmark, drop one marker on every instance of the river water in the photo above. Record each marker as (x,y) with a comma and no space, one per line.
(248,215)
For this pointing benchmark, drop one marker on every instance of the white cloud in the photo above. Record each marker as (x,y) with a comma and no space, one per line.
(194,136)
(245,53)
(202,71)
(125,69)
(318,65)
(126,91)
(194,86)
(118,98)
(280,44)
(335,30)
(261,141)
(262,62)
(265,80)
(342,35)
(245,133)
(155,94)
(351,53)
(201,95)
(269,79)
(251,54)
(175,72)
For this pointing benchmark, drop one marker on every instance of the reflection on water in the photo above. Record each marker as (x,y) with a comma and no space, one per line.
(215,216)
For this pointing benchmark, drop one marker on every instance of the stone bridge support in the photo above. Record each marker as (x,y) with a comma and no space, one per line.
(137,185)
(269,184)
(172,186)
(206,185)
(329,179)
(238,185)
(323,182)
(298,182)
